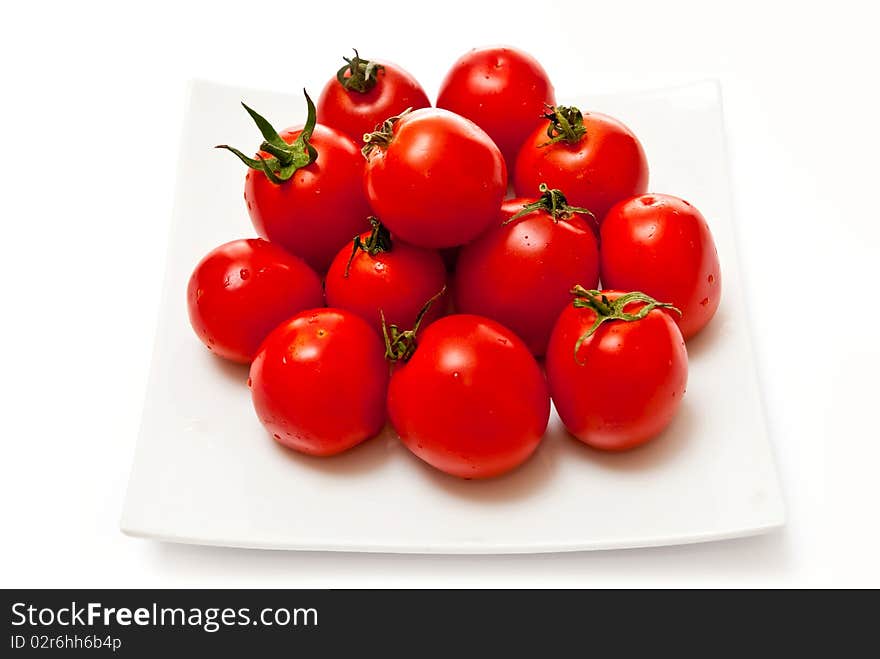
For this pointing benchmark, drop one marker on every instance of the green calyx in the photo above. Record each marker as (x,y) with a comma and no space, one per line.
(608,310)
(401,344)
(566,124)
(285,158)
(554,203)
(378,241)
(362,74)
(382,135)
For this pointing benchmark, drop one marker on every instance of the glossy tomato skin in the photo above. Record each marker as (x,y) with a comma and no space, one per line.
(471,401)
(440,181)
(319,382)
(399,282)
(661,245)
(355,113)
(627,381)
(241,290)
(502,90)
(319,208)
(520,274)
(605,166)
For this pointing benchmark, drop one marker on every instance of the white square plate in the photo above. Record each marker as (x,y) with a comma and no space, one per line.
(206,472)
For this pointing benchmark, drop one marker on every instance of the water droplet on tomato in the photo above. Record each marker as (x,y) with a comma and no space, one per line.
(704,301)
(647,200)
(250,383)
(277,436)
(711,279)
(244,273)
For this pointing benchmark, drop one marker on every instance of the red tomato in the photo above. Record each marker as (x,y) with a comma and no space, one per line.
(435,178)
(302,190)
(471,401)
(319,382)
(241,290)
(617,368)
(593,157)
(502,90)
(661,245)
(520,273)
(379,273)
(365,93)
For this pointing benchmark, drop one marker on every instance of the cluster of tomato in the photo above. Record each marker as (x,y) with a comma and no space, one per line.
(394,213)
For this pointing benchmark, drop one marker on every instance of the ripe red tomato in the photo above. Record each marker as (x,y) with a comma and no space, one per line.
(302,190)
(241,290)
(378,273)
(365,93)
(520,273)
(617,368)
(471,401)
(661,245)
(435,178)
(593,157)
(502,90)
(319,382)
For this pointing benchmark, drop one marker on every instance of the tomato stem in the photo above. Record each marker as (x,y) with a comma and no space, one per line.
(401,344)
(286,158)
(554,203)
(382,135)
(362,74)
(378,241)
(566,124)
(608,310)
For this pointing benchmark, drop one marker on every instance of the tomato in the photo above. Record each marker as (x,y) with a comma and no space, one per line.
(435,178)
(381,274)
(661,245)
(303,189)
(365,93)
(520,273)
(502,90)
(593,157)
(471,401)
(319,382)
(241,290)
(617,368)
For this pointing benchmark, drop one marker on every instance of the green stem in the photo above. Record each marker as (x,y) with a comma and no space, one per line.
(554,203)
(566,125)
(378,241)
(362,74)
(381,137)
(401,344)
(286,158)
(608,310)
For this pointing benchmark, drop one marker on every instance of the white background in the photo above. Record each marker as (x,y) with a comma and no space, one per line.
(92,106)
